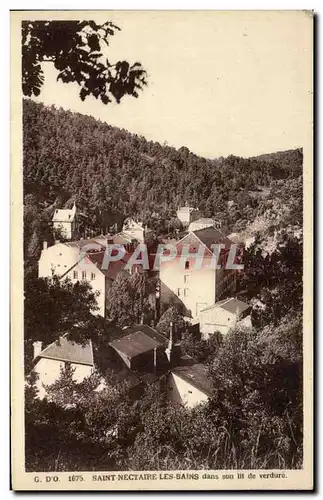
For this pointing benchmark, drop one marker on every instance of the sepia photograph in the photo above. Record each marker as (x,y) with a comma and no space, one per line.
(161,267)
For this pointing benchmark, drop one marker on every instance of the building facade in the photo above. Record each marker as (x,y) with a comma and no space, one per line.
(191,287)
(135,230)
(49,362)
(188,385)
(187,215)
(81,260)
(222,316)
(65,221)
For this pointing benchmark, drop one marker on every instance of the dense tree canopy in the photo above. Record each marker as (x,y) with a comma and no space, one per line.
(76,49)
(111,174)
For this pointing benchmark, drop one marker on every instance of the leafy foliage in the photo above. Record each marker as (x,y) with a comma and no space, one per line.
(75,48)
(53,308)
(171,315)
(128,299)
(271,278)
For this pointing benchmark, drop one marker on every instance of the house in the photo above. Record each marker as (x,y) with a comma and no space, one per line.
(222,316)
(134,230)
(189,385)
(82,260)
(146,354)
(189,287)
(187,215)
(49,362)
(66,222)
(201,224)
(139,351)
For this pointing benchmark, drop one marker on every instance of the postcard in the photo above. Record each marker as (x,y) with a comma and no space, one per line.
(162,250)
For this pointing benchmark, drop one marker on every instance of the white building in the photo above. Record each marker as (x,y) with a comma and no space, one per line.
(189,385)
(134,230)
(222,316)
(193,288)
(187,215)
(81,260)
(49,362)
(66,222)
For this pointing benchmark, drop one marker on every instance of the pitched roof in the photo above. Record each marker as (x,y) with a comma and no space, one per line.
(231,305)
(109,268)
(135,344)
(64,214)
(147,330)
(196,375)
(211,235)
(93,244)
(64,349)
(122,238)
(208,236)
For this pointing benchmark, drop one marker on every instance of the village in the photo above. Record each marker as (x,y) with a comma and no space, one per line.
(205,297)
(162,222)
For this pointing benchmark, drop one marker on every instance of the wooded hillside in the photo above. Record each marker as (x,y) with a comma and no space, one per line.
(112,173)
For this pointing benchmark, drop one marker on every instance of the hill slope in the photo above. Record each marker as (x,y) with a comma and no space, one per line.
(112,173)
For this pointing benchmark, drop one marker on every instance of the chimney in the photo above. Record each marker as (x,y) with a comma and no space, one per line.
(45,245)
(37,348)
(155,359)
(169,350)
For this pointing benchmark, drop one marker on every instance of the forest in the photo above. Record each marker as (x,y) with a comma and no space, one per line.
(254,417)
(112,173)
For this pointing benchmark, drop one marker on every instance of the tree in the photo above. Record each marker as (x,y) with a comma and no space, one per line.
(257,396)
(127,299)
(171,315)
(75,50)
(53,308)
(202,351)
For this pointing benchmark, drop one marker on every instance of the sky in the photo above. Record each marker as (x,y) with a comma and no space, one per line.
(219,83)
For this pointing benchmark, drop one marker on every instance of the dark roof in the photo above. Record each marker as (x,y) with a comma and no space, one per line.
(196,375)
(114,267)
(208,236)
(147,330)
(64,349)
(211,235)
(135,344)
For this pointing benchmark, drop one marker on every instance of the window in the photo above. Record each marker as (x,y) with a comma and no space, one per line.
(185,292)
(186,278)
(187,264)
(75,275)
(178,292)
(83,275)
(92,276)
